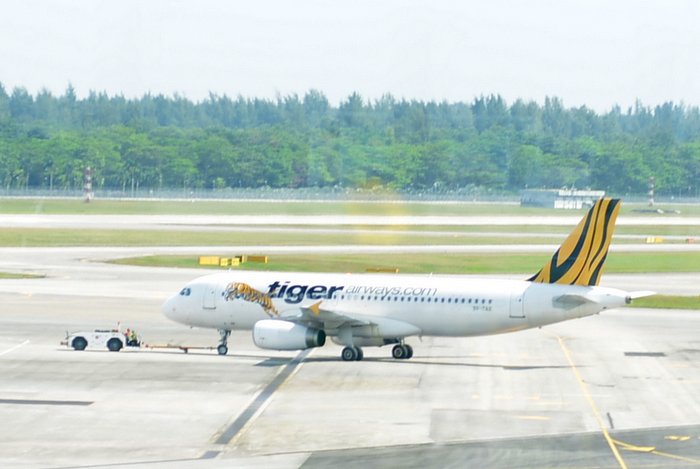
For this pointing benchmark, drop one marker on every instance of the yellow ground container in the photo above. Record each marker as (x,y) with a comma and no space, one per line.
(229,262)
(385,270)
(258,259)
(208,260)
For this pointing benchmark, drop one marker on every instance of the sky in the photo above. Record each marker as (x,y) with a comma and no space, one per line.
(597,53)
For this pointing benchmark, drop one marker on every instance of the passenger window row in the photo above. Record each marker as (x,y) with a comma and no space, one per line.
(416,299)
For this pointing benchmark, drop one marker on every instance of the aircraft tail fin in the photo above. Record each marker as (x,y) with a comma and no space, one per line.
(580,258)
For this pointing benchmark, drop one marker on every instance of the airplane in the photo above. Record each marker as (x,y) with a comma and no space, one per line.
(297,311)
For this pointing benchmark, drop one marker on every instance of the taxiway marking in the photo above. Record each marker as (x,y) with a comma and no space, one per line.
(12,349)
(45,402)
(591,403)
(260,401)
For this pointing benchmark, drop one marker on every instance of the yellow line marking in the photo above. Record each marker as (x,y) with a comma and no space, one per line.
(532,417)
(652,450)
(591,403)
(673,456)
(631,447)
(612,442)
(677,437)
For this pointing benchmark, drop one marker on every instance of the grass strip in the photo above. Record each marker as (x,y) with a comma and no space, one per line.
(448,263)
(51,237)
(253,207)
(306,207)
(668,302)
(422,263)
(12,275)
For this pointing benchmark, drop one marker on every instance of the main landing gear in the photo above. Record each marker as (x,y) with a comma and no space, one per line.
(350,354)
(222,349)
(402,351)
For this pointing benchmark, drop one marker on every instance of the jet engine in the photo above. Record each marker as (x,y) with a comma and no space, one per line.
(275,334)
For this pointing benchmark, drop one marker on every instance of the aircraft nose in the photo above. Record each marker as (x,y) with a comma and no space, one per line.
(170,309)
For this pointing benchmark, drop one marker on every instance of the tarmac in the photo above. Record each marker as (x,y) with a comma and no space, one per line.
(562,396)
(619,389)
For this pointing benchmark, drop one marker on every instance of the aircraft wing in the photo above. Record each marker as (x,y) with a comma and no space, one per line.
(317,316)
(331,320)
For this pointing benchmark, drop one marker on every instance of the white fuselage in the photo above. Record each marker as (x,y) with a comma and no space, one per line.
(394,305)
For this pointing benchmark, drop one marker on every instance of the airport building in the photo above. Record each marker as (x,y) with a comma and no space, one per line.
(560,198)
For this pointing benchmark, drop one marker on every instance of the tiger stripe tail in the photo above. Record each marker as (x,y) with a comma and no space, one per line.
(581,257)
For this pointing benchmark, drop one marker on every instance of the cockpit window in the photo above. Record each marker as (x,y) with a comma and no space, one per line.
(185,292)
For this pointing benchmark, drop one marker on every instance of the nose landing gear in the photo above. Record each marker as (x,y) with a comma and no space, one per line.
(222,349)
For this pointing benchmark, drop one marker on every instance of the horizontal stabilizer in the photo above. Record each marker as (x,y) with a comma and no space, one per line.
(606,297)
(635,295)
(571,300)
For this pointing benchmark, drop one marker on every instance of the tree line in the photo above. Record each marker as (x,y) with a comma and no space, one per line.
(157,141)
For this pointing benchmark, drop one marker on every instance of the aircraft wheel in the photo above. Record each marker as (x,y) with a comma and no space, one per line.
(349,354)
(79,343)
(360,354)
(222,349)
(409,351)
(398,352)
(114,344)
